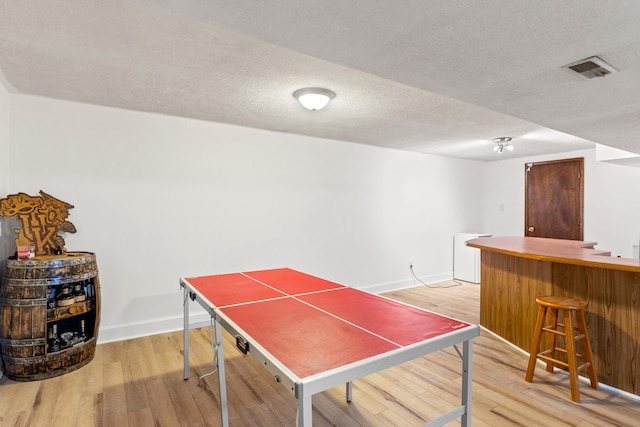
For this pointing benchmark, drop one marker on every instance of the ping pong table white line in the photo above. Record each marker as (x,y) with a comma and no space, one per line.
(285,295)
(349,323)
(246,274)
(262,283)
(461,325)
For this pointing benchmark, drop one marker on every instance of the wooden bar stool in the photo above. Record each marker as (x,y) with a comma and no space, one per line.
(572,332)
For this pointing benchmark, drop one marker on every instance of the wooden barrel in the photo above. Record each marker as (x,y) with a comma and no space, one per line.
(28,314)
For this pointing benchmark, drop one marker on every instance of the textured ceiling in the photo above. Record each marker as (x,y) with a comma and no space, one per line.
(440,77)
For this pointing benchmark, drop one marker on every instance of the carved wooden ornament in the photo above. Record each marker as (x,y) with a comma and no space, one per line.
(41,218)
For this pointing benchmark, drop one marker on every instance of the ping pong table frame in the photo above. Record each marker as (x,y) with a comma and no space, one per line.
(303,389)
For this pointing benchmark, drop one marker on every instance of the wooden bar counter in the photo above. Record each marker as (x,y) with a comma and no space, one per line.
(515,270)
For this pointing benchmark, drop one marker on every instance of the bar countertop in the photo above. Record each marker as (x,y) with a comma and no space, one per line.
(556,250)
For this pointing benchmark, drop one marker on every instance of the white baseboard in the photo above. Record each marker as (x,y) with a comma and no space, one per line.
(404,284)
(151,327)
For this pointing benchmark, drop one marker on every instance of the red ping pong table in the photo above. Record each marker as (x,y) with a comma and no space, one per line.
(313,334)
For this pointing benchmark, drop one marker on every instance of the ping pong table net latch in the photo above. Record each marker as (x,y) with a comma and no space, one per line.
(192,295)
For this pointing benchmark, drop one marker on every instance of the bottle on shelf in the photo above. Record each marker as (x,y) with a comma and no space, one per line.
(78,293)
(83,333)
(50,339)
(51,297)
(88,285)
(54,342)
(64,298)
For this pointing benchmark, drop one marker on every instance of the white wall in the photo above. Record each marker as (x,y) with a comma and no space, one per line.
(6,240)
(158,198)
(611,200)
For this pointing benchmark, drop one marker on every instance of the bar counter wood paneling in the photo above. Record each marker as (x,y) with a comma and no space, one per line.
(515,270)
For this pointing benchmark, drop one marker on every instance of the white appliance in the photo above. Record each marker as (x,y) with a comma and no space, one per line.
(466,260)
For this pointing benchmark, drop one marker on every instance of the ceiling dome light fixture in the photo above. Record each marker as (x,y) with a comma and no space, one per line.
(313,98)
(502,144)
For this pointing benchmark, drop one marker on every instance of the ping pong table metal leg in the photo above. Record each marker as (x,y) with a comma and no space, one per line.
(185,303)
(467,354)
(305,410)
(349,391)
(224,411)
(464,410)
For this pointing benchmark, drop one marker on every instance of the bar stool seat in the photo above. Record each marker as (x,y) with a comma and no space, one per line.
(572,331)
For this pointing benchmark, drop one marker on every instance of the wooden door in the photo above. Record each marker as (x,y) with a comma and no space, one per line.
(554,199)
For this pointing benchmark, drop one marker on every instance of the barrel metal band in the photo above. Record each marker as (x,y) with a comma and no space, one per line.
(84,348)
(23,302)
(75,258)
(52,280)
(23,342)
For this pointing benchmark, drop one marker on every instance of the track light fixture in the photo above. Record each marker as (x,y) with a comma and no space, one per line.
(502,144)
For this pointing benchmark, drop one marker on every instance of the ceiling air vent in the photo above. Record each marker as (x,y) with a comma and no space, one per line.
(591,67)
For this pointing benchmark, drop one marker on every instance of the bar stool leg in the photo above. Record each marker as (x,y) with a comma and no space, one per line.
(535,345)
(552,339)
(586,349)
(571,355)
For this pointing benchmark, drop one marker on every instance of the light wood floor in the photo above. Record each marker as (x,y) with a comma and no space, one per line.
(139,383)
